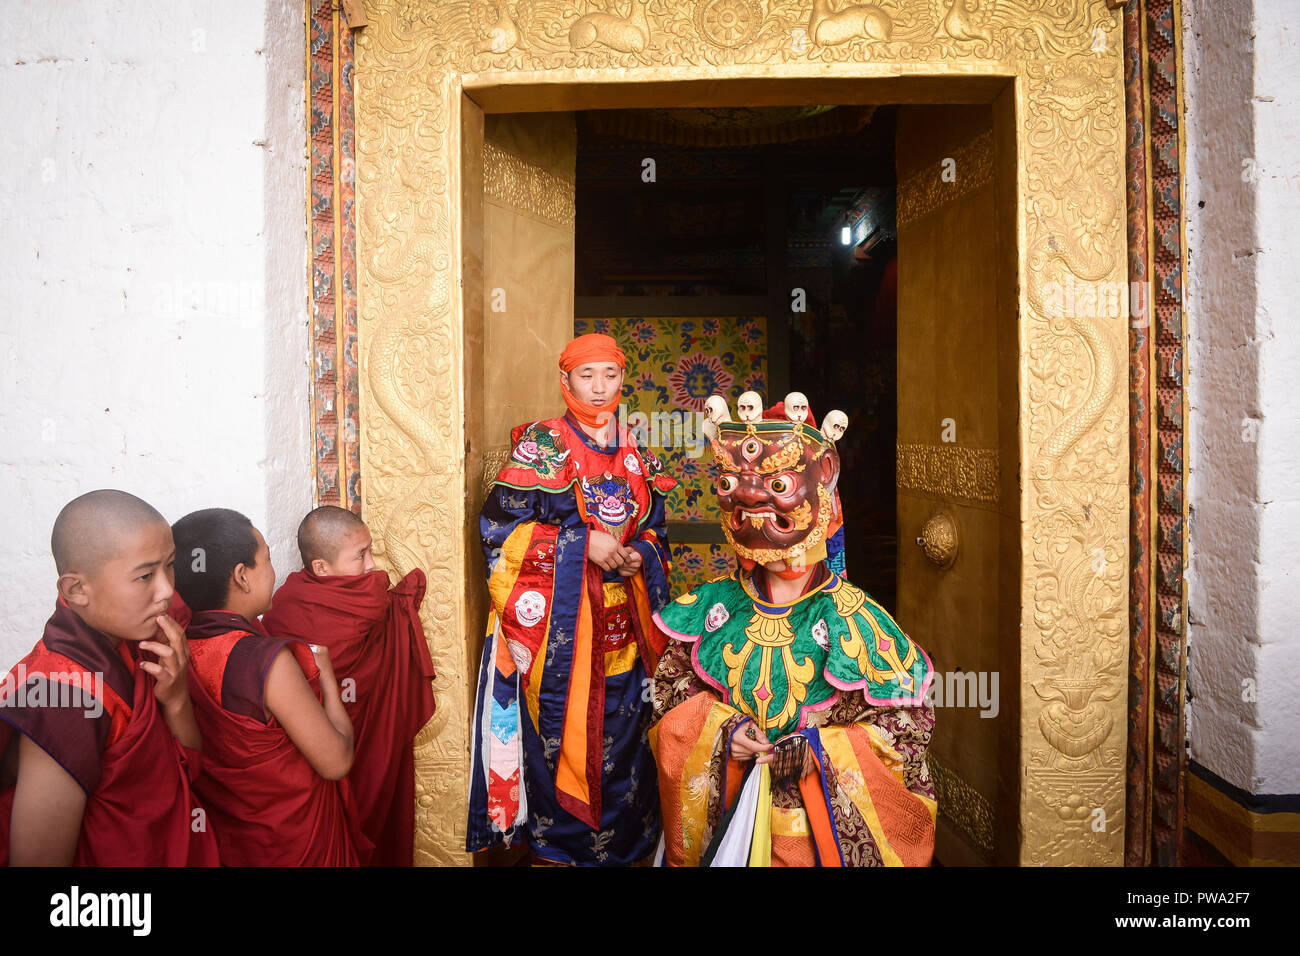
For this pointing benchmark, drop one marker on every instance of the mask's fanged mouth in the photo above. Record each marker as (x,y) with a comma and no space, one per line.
(780,522)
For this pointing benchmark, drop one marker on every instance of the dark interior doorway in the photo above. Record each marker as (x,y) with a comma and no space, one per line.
(764,238)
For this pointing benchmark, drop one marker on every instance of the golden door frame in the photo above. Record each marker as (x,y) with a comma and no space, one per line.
(422,67)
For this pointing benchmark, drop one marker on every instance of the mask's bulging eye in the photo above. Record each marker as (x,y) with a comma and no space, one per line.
(779,485)
(750,449)
(726,484)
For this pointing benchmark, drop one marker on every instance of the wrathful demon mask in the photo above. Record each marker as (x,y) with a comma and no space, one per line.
(776,488)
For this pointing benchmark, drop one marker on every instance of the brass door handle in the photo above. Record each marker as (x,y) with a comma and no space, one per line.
(938,539)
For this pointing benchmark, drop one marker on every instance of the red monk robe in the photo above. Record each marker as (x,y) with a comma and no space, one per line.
(375,638)
(140,808)
(268,806)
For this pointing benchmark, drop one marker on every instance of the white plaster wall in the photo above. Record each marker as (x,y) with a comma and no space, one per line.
(1243,193)
(1276,109)
(153,279)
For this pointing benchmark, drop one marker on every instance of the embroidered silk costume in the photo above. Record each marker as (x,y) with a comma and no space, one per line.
(830,666)
(560,754)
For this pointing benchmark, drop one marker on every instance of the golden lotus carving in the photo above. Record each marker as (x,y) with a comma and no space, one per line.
(413,62)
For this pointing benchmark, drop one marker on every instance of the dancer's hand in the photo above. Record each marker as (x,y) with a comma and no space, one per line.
(751,744)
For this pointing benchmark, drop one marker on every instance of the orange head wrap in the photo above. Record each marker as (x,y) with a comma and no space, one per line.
(589,348)
(586,350)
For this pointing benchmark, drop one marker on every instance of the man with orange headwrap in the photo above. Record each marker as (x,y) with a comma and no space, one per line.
(574,534)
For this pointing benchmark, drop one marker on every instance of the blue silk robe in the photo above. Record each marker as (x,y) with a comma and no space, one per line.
(564,703)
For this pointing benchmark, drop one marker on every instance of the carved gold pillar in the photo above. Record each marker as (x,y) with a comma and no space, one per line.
(1074,451)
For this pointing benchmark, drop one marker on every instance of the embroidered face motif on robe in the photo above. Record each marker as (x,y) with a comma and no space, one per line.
(540,449)
(776,485)
(610,501)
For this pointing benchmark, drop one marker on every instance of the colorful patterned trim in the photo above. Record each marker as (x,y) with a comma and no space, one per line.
(555,489)
(807,709)
(336,448)
(1137,814)
(746,579)
(817,742)
(862,685)
(1157,763)
(769,426)
(677,635)
(703,674)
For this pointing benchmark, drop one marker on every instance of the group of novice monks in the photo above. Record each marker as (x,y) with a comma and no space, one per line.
(159,722)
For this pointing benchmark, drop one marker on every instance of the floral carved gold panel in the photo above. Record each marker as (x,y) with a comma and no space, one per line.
(412,63)
(929,188)
(952,470)
(525,187)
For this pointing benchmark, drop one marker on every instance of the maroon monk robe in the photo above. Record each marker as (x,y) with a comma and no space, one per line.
(375,638)
(140,808)
(269,807)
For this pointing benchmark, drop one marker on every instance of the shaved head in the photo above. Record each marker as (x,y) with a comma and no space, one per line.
(91,529)
(324,531)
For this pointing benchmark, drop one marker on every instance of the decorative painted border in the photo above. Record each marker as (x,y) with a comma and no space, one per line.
(1137,809)
(1166,155)
(1157,761)
(336,446)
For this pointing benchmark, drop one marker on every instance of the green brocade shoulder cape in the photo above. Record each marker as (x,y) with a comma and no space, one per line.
(779,664)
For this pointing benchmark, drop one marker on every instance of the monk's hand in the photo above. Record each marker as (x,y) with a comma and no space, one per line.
(604,550)
(750,743)
(173,660)
(631,562)
(321,654)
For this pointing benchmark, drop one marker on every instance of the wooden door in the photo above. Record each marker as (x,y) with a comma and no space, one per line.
(957,499)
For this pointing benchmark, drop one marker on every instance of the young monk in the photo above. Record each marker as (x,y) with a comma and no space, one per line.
(279,741)
(377,645)
(98,741)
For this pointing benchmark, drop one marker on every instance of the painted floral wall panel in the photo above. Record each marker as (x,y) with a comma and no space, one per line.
(673,365)
(695,564)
